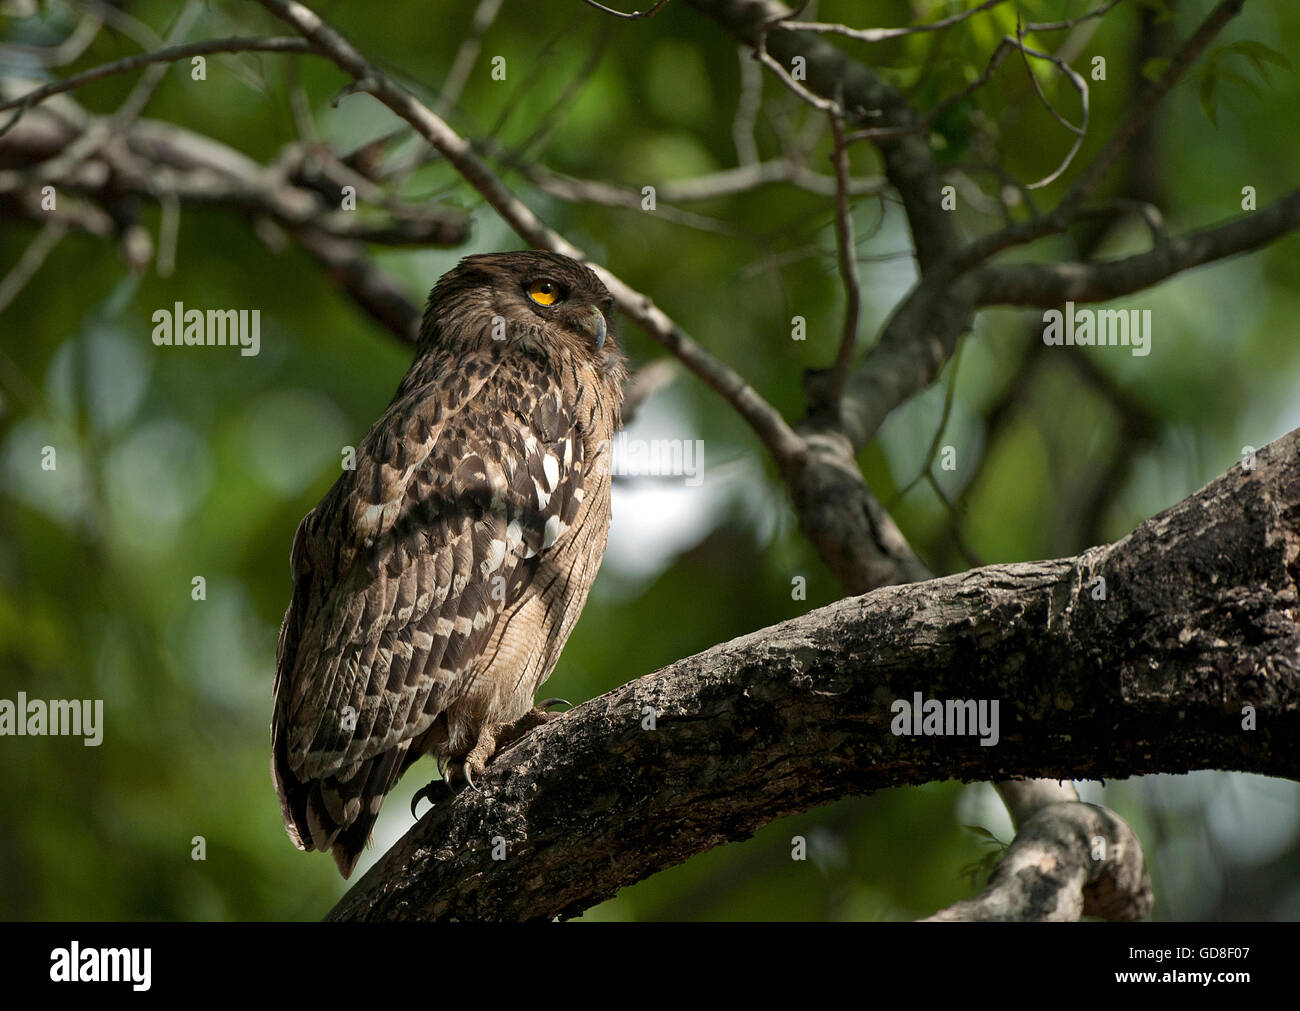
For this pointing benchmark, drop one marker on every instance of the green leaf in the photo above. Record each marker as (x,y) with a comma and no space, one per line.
(989,836)
(1260,56)
(1257,51)
(1236,78)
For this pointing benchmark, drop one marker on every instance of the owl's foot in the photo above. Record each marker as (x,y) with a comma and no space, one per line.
(450,770)
(513,733)
(489,743)
(468,767)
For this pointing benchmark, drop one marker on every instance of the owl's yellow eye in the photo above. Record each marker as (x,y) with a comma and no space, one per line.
(544,292)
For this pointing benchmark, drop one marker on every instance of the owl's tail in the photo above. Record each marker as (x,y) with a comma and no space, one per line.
(333,813)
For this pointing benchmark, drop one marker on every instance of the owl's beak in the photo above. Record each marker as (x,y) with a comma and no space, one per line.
(596,328)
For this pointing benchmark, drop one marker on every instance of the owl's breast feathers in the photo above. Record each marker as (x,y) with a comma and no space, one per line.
(483,474)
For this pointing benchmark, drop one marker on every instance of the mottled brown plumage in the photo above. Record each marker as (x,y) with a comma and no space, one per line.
(435,585)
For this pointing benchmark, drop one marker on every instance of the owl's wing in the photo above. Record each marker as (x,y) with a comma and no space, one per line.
(461,489)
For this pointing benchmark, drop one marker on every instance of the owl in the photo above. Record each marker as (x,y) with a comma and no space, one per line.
(436,582)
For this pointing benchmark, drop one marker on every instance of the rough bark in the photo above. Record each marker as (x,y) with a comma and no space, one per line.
(1069,860)
(1199,620)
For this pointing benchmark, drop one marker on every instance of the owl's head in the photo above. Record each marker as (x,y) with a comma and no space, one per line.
(545,302)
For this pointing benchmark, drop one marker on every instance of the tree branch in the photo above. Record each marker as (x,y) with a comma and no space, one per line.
(168,55)
(1144,106)
(865,98)
(882,34)
(163,162)
(1067,861)
(848,262)
(1049,284)
(1198,622)
(837,512)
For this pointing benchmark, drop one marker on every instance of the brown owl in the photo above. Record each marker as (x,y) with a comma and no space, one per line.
(436,583)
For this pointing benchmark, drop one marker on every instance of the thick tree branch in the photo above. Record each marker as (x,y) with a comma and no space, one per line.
(370,288)
(1198,626)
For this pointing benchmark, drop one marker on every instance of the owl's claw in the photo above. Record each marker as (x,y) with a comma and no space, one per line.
(546,704)
(454,769)
(424,793)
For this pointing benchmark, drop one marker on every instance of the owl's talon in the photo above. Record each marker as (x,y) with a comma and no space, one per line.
(469,778)
(424,793)
(546,704)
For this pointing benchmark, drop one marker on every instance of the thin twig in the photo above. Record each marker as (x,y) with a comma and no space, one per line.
(168,55)
(747,105)
(634,16)
(1057,26)
(169,225)
(1050,284)
(1080,85)
(564,102)
(935,443)
(67,51)
(123,23)
(881,34)
(727,182)
(1071,205)
(454,83)
(30,262)
(1137,118)
(971,556)
(848,263)
(299,103)
(760,52)
(94,137)
(1003,47)
(136,101)
(1025,53)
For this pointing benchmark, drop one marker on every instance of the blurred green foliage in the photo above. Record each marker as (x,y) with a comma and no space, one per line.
(174,463)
